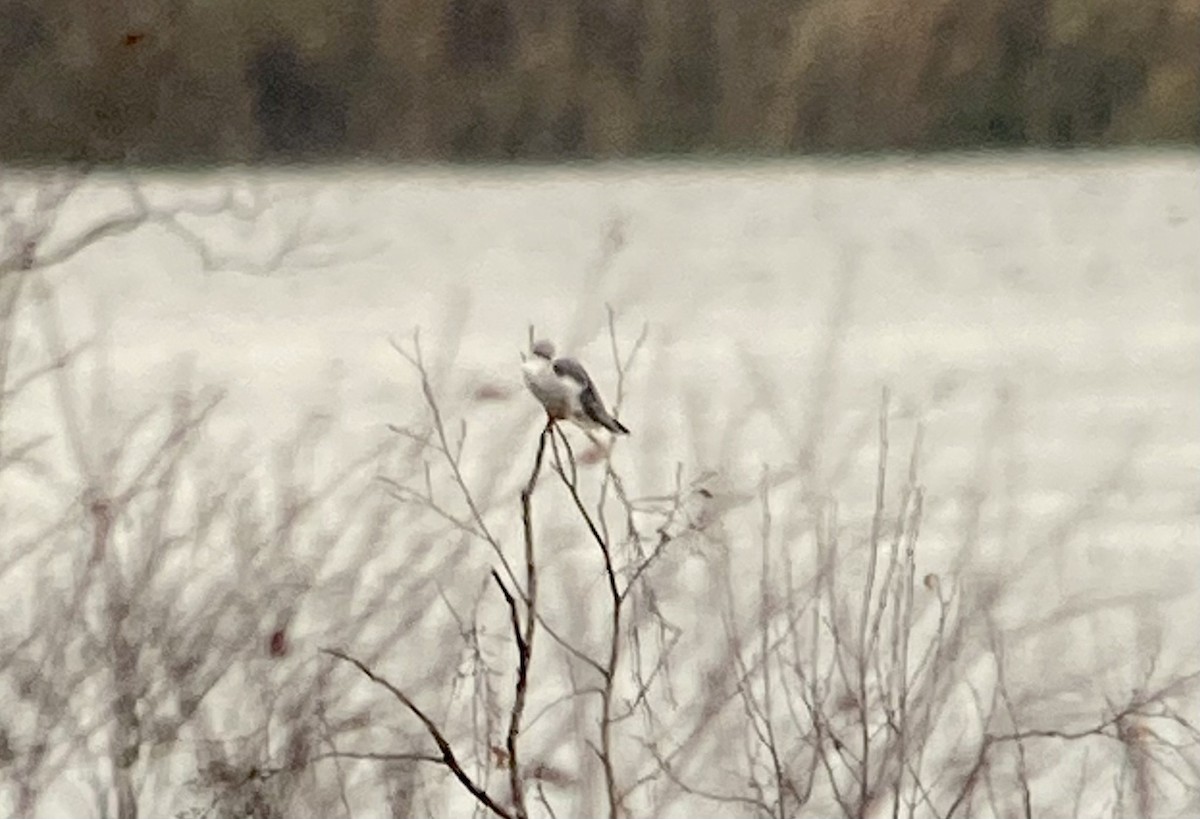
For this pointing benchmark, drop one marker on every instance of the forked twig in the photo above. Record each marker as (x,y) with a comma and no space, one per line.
(448,757)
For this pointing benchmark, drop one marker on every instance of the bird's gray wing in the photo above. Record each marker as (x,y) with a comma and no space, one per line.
(572,369)
(589,399)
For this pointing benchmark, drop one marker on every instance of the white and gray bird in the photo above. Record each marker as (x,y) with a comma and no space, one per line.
(565,389)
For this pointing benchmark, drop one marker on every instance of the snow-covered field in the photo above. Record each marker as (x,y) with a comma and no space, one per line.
(1037,317)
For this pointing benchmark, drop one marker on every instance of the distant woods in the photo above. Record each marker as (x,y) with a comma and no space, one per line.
(274,80)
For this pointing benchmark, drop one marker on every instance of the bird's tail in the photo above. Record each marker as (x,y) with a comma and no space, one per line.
(613,425)
(595,413)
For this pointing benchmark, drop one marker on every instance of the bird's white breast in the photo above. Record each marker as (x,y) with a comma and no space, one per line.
(558,395)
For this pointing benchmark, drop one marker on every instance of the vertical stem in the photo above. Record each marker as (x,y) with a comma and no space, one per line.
(610,673)
(764,621)
(614,646)
(524,637)
(864,780)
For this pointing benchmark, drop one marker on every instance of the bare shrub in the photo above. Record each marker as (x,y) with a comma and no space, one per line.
(191,627)
(843,684)
(144,577)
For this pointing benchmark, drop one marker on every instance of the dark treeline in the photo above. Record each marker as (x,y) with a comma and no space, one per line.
(169,81)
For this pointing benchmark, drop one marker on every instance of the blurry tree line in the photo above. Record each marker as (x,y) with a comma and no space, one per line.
(244,80)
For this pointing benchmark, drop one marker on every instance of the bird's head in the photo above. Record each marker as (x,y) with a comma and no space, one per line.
(543,349)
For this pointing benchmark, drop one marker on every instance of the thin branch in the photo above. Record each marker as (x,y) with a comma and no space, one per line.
(447,758)
(864,651)
(418,363)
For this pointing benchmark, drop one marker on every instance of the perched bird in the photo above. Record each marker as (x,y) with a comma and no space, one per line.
(566,390)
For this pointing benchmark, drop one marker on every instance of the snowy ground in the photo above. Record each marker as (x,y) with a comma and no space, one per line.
(1040,316)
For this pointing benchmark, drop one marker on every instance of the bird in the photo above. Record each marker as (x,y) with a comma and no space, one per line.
(566,391)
